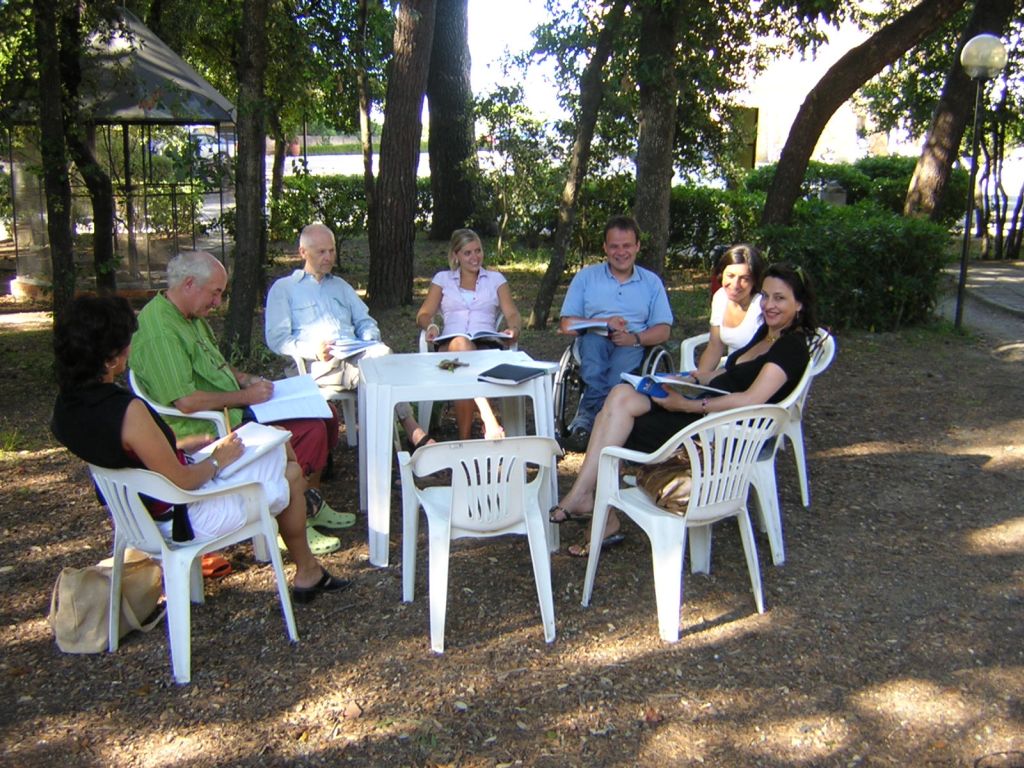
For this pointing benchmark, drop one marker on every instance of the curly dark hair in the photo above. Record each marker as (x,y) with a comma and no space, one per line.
(806,321)
(91,331)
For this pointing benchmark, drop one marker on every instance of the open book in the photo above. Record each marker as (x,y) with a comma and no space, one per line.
(504,336)
(348,347)
(599,327)
(296,397)
(257,439)
(655,384)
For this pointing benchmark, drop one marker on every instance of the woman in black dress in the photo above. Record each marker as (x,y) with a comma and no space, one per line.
(766,370)
(105,424)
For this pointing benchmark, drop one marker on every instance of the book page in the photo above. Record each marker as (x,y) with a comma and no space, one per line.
(296,397)
(257,439)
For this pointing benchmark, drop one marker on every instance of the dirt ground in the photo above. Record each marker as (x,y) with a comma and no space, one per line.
(893,634)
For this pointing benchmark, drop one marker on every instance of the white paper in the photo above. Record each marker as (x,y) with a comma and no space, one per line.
(257,439)
(296,397)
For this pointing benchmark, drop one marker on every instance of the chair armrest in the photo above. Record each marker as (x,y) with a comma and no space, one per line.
(688,351)
(300,364)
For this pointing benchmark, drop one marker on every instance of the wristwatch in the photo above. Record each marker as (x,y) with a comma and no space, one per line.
(216,465)
(637,337)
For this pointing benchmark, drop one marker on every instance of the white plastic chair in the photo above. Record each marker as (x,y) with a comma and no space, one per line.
(688,357)
(217,417)
(180,561)
(489,496)
(425,408)
(722,449)
(764,483)
(347,398)
(219,422)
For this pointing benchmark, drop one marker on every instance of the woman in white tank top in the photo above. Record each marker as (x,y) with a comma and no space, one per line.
(735,308)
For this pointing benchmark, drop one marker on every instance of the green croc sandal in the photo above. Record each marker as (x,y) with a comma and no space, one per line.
(320,512)
(319,544)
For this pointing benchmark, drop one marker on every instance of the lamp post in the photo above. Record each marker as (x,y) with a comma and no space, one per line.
(982,58)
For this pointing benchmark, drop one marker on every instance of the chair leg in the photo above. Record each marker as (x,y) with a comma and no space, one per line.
(750,551)
(700,548)
(597,524)
(541,559)
(114,615)
(282,581)
(796,437)
(179,617)
(348,413)
(410,532)
(439,535)
(766,494)
(424,412)
(195,582)
(667,561)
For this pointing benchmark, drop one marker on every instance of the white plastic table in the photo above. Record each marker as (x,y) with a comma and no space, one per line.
(392,379)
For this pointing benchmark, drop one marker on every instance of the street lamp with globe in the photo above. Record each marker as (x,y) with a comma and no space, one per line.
(982,58)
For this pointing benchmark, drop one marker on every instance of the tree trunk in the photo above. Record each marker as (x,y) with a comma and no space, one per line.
(659,30)
(56,183)
(393,215)
(365,102)
(949,119)
(839,84)
(101,194)
(591,93)
(250,183)
(452,141)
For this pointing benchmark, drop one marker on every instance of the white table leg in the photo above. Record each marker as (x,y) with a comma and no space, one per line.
(379,408)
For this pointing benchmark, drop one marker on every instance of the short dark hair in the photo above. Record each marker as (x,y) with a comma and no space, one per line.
(90,331)
(625,223)
(742,253)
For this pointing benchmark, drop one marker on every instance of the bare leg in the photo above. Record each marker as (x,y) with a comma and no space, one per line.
(464,409)
(611,427)
(291,523)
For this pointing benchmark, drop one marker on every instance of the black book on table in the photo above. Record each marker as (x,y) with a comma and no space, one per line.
(510,373)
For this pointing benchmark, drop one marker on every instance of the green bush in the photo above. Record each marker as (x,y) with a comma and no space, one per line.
(701,219)
(882,179)
(873,269)
(337,201)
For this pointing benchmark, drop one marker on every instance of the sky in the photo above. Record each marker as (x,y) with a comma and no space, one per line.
(497,26)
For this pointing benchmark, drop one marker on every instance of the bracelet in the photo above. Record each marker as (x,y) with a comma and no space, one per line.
(216,465)
(432,325)
(638,342)
(704,407)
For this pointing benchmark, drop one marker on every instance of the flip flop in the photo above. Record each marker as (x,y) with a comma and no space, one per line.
(215,566)
(612,540)
(566,515)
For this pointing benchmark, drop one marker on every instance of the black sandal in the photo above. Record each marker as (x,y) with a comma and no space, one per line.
(567,515)
(327,583)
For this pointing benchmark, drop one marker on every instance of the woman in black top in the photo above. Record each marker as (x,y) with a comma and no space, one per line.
(106,425)
(764,371)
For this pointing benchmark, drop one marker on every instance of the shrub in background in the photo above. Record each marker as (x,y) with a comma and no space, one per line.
(701,218)
(873,269)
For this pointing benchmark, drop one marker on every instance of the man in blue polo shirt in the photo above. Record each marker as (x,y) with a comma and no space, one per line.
(632,301)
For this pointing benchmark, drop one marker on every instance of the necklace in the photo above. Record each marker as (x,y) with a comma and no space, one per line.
(772,337)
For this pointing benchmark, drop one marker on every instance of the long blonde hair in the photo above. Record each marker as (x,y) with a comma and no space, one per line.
(460,239)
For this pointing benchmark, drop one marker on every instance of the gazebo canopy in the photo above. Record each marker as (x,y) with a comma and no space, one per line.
(132,76)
